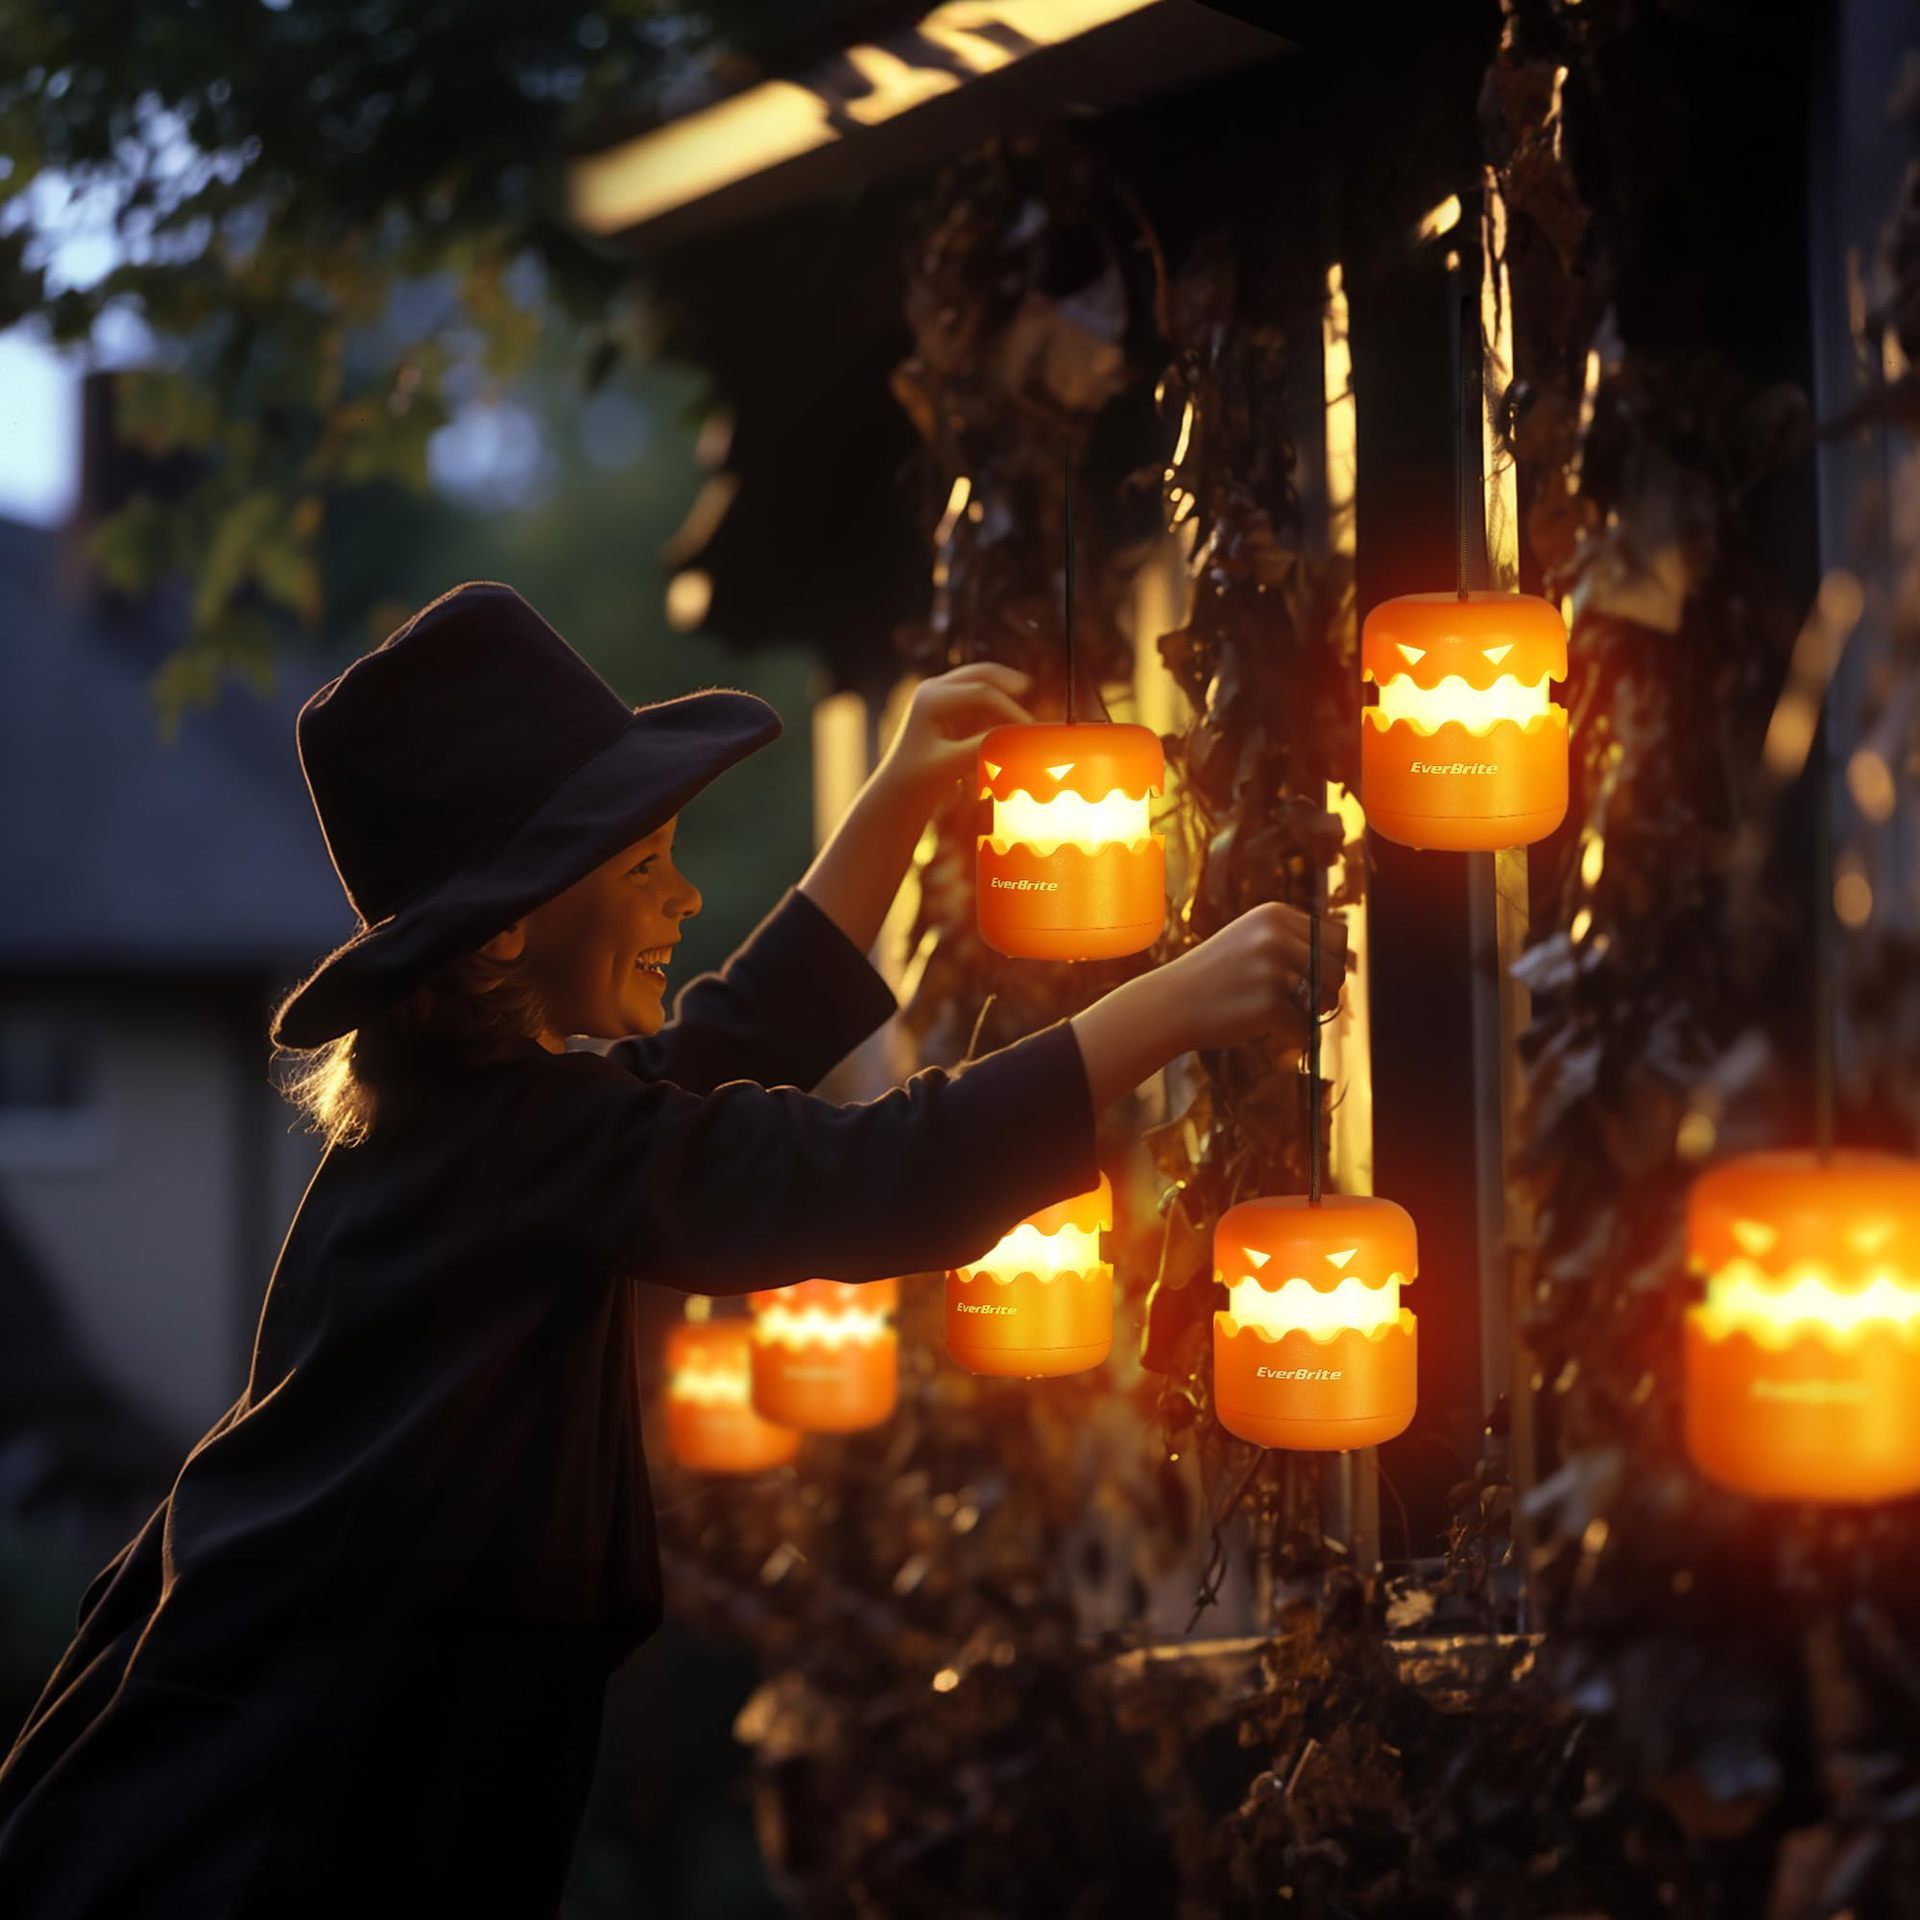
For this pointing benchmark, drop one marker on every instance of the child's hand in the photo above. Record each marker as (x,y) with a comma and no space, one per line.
(948,716)
(1248,980)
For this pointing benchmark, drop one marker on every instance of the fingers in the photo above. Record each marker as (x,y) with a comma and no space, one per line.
(975,708)
(1008,710)
(992,672)
(1290,932)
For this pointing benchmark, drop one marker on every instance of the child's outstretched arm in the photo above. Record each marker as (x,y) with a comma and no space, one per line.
(756,1187)
(800,993)
(1250,978)
(854,877)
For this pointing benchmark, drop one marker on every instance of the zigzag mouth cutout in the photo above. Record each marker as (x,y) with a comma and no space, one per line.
(1456,702)
(1778,1312)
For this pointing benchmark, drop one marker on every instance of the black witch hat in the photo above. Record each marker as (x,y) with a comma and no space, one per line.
(472,766)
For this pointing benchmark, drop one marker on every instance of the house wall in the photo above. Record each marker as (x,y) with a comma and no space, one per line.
(157,1201)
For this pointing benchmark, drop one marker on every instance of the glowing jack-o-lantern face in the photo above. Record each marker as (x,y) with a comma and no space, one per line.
(1314,1350)
(826,1358)
(1040,1301)
(1803,1358)
(1464,748)
(1072,868)
(711,1424)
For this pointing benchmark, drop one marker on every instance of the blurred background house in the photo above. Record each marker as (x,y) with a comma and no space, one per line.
(160,893)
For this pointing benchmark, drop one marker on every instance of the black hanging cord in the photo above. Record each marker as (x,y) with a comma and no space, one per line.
(1314,1175)
(1825,1012)
(1468,409)
(1073,671)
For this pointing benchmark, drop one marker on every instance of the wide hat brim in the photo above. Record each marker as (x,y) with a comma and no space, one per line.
(638,782)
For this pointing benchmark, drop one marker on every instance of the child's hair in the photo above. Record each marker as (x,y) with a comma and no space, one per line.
(472,1009)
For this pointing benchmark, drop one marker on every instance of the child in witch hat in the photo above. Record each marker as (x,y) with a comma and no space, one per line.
(355,1660)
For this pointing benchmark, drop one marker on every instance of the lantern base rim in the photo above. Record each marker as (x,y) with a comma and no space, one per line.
(816,1422)
(1467,833)
(1777,1491)
(1030,1363)
(1074,943)
(1310,1435)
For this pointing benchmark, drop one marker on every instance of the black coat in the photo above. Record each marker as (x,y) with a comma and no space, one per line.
(355,1661)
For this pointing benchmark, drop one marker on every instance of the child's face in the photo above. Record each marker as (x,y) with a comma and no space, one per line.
(598,953)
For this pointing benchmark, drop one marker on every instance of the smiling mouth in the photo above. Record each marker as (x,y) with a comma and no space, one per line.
(653,963)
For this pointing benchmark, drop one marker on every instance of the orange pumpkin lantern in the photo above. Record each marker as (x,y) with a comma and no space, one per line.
(711,1424)
(1072,869)
(1802,1375)
(826,1358)
(1314,1351)
(1463,748)
(1041,1300)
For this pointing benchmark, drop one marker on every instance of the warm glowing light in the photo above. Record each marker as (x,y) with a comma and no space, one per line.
(1500,477)
(1347,1044)
(1695,1136)
(825,1356)
(1581,926)
(1314,1349)
(839,722)
(1870,781)
(711,1425)
(1593,860)
(779,1325)
(1300,1307)
(1478,709)
(1852,893)
(1835,613)
(1464,748)
(1069,821)
(781,120)
(1040,1300)
(1186,434)
(1071,868)
(957,497)
(1342,430)
(710,1384)
(1438,220)
(1743,1298)
(1046,1256)
(1803,1355)
(689,596)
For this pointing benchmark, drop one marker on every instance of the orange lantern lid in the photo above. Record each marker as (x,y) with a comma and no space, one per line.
(1855,1214)
(1045,758)
(1481,638)
(833,1296)
(1091,1211)
(1342,1237)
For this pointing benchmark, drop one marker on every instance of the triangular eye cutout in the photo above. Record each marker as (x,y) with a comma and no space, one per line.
(1062,770)
(993,772)
(1255,1258)
(1340,1259)
(1497,654)
(1755,1236)
(1411,655)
